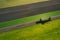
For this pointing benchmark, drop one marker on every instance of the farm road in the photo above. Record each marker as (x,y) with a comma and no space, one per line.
(24,25)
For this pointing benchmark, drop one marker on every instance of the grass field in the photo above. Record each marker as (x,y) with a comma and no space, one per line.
(28,19)
(10,3)
(48,31)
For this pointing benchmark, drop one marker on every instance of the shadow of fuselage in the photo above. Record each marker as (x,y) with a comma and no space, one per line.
(43,21)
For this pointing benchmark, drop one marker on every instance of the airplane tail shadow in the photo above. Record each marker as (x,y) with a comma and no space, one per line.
(43,21)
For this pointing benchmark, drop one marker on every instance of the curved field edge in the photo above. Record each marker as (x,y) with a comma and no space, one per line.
(48,31)
(28,19)
(11,3)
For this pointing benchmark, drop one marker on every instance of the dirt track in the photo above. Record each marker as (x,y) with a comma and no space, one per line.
(24,25)
(17,12)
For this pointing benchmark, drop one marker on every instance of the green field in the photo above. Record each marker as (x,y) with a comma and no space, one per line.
(48,31)
(10,3)
(28,19)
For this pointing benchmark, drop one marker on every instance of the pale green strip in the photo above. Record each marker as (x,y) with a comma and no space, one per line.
(10,3)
